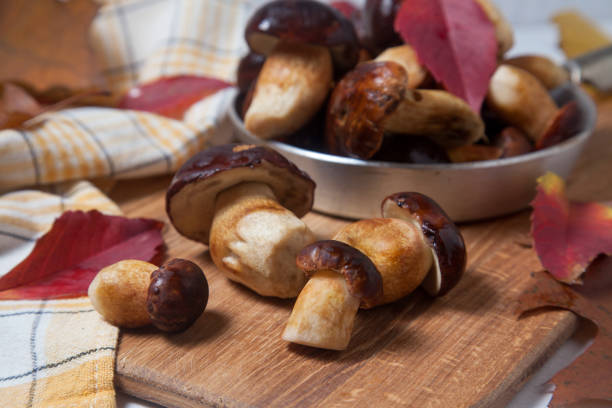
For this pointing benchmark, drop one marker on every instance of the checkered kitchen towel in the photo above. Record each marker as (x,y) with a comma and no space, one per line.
(137,41)
(55,353)
(59,353)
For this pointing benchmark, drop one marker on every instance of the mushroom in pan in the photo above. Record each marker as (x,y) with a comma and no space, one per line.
(342,278)
(303,40)
(245,202)
(374,99)
(521,100)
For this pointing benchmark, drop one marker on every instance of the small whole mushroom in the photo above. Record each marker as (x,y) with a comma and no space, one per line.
(245,202)
(303,41)
(342,278)
(177,295)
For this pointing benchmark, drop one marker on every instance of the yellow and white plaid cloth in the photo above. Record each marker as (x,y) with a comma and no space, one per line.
(59,353)
(55,353)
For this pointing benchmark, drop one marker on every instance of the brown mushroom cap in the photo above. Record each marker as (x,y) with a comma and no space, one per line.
(362,277)
(359,104)
(304,21)
(443,235)
(177,295)
(190,200)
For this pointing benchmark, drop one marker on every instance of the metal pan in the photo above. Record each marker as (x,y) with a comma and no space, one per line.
(354,188)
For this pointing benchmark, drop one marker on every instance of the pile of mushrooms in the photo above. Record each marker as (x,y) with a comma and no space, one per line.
(374,262)
(356,83)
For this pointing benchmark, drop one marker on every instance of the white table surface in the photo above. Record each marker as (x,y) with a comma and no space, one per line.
(540,38)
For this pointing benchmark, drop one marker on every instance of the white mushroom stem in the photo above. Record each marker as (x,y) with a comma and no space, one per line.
(291,87)
(324,313)
(520,99)
(446,119)
(254,240)
(406,56)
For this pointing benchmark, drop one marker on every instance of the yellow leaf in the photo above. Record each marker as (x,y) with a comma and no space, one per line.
(578,34)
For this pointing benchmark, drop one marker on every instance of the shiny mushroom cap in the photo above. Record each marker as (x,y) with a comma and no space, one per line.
(362,278)
(360,103)
(307,22)
(444,238)
(190,199)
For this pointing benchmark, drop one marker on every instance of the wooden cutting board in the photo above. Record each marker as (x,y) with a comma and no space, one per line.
(464,349)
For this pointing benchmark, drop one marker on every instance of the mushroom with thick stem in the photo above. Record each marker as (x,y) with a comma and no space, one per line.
(374,99)
(245,201)
(303,41)
(521,100)
(342,278)
(439,231)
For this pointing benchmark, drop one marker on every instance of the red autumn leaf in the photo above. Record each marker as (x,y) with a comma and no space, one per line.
(66,259)
(455,40)
(568,235)
(171,96)
(588,377)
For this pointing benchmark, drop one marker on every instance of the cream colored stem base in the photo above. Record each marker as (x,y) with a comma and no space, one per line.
(323,314)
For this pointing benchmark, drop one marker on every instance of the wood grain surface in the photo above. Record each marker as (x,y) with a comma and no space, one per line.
(464,349)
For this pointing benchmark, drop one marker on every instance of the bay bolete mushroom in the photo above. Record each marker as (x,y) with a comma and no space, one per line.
(441,234)
(374,99)
(303,41)
(245,202)
(342,278)
(521,100)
